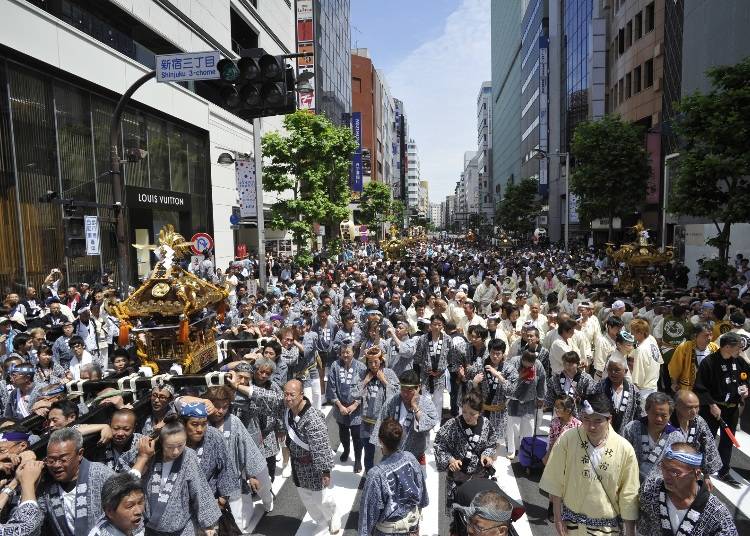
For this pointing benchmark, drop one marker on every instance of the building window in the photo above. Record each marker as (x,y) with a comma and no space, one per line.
(649,17)
(621,90)
(621,41)
(638,26)
(637,80)
(243,35)
(648,76)
(629,34)
(628,82)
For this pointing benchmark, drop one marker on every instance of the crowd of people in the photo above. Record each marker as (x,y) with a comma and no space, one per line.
(646,391)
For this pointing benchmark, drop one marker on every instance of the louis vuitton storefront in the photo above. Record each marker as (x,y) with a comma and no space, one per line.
(54,134)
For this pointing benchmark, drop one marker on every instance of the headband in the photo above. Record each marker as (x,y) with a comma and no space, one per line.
(54,391)
(243,367)
(410,385)
(13,435)
(28,370)
(194,409)
(688,458)
(490,514)
(162,385)
(588,410)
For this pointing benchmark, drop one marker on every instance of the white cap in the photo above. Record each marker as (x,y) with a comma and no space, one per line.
(619,304)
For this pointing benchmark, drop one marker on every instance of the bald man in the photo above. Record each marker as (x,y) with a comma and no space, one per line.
(695,431)
(311,456)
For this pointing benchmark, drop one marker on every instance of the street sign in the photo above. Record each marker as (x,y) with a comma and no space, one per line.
(187,66)
(91,226)
(201,242)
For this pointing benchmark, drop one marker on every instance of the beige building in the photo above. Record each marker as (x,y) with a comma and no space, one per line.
(635,79)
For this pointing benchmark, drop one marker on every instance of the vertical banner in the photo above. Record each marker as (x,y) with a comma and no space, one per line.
(355,176)
(91,227)
(305,33)
(245,175)
(543,109)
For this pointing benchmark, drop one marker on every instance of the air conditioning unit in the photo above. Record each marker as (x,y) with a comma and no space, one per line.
(542,220)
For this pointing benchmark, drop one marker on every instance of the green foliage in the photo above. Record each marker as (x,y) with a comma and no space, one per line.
(519,208)
(376,206)
(710,179)
(612,171)
(312,159)
(398,210)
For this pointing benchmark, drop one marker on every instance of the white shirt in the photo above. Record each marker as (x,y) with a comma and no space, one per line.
(675,516)
(75,365)
(69,506)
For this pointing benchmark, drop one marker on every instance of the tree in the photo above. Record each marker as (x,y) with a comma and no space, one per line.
(518,210)
(711,175)
(398,211)
(612,171)
(312,159)
(376,206)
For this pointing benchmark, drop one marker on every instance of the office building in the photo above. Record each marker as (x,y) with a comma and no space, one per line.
(424,200)
(506,94)
(436,215)
(484,149)
(412,177)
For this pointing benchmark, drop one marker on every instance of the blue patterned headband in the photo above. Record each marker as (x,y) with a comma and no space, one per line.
(688,458)
(194,409)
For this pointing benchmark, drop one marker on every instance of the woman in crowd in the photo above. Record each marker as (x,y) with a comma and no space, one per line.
(378,385)
(178,497)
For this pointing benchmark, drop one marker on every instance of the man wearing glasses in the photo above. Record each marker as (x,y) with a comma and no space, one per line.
(71,498)
(676,501)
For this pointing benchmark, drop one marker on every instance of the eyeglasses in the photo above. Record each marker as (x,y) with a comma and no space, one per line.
(155,396)
(673,473)
(476,529)
(51,462)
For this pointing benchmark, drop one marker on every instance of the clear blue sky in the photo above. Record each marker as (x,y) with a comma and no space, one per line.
(435,54)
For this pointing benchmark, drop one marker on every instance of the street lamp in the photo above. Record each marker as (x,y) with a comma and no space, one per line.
(541,155)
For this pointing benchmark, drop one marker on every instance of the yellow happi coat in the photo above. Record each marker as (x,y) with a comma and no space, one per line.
(569,475)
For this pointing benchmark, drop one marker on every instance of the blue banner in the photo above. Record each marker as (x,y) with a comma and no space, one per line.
(355,176)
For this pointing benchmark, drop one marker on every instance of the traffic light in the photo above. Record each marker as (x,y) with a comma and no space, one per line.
(74,232)
(257,85)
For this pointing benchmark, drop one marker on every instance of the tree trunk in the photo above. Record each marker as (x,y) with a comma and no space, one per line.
(724,245)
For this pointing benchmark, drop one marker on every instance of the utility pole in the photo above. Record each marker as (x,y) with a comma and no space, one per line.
(259,204)
(123,252)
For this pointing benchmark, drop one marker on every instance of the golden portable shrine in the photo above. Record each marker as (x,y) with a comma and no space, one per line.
(394,247)
(642,261)
(171,316)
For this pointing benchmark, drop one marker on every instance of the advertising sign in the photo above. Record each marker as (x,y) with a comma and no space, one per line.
(245,175)
(355,176)
(91,227)
(305,30)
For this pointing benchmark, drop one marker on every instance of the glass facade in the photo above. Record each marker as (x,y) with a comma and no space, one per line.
(333,67)
(532,29)
(54,136)
(576,20)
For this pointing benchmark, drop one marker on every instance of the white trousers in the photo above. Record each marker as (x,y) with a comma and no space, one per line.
(242,506)
(517,428)
(311,390)
(321,506)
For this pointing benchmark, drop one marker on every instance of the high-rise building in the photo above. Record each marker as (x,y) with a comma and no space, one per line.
(484,149)
(424,199)
(506,94)
(577,82)
(449,211)
(636,83)
(436,215)
(399,153)
(371,97)
(333,74)
(64,66)
(412,177)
